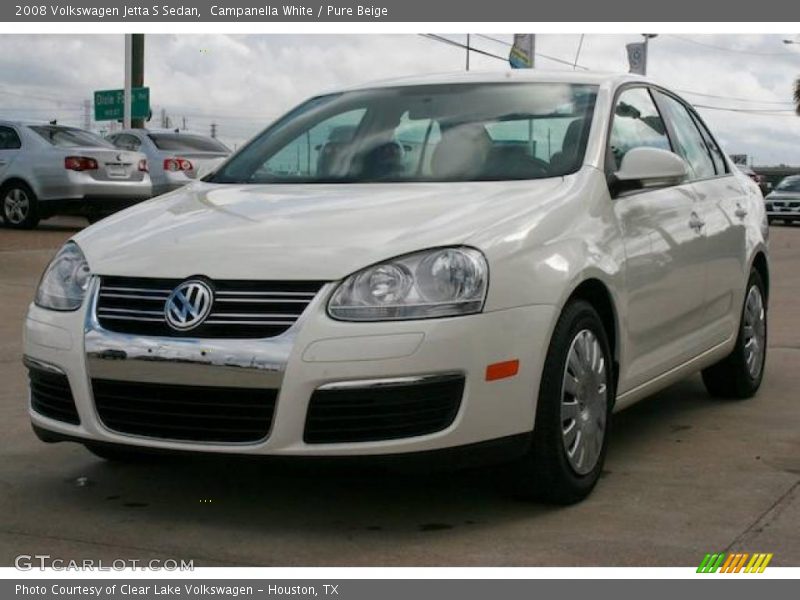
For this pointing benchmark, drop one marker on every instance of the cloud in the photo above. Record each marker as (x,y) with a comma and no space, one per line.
(243,82)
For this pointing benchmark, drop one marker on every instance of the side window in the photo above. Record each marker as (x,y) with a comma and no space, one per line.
(716,154)
(637,123)
(688,141)
(9,139)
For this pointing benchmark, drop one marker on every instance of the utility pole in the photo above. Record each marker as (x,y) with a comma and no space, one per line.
(183,123)
(137,70)
(213,130)
(468,51)
(87,115)
(126,100)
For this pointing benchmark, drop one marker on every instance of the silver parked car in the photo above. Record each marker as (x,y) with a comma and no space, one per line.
(50,169)
(784,201)
(176,158)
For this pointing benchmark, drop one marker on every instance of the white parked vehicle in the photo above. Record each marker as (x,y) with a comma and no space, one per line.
(784,201)
(48,169)
(176,158)
(473,262)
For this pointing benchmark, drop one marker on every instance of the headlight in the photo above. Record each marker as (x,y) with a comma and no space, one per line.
(64,283)
(444,282)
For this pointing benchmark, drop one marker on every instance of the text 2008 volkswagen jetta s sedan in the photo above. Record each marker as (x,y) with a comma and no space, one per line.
(475,261)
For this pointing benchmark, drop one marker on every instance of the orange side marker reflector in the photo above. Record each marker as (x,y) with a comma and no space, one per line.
(502,370)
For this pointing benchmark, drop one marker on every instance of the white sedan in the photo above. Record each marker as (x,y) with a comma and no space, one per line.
(467,263)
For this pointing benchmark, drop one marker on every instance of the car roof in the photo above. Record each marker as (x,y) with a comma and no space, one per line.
(147,131)
(15,123)
(517,75)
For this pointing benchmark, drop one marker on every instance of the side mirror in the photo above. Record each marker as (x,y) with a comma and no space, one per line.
(650,168)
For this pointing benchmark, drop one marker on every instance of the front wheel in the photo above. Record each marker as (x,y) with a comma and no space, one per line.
(576,394)
(739,375)
(20,207)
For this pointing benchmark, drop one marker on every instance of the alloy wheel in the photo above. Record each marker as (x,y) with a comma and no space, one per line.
(16,206)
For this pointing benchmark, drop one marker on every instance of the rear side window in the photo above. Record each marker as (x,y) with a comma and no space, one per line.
(637,124)
(716,154)
(9,139)
(688,141)
(179,142)
(68,137)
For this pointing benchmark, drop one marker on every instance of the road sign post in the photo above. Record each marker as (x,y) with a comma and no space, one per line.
(109,105)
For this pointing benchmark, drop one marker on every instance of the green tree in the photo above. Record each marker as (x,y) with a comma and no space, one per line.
(797,96)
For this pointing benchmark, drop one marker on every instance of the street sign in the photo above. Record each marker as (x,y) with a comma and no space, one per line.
(109,104)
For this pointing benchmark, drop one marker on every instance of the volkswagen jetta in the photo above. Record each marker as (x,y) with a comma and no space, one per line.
(472,262)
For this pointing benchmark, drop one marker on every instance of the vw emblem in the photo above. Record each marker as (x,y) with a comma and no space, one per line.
(188,305)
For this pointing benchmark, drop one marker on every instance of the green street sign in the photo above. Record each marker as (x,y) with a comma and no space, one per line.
(108,104)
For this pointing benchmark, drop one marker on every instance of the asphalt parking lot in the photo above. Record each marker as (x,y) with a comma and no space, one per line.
(685,475)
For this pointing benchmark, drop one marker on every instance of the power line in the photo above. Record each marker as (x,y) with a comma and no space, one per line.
(766,112)
(748,100)
(450,42)
(539,54)
(750,111)
(726,49)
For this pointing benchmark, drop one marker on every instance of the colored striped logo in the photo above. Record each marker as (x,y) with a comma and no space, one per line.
(738,562)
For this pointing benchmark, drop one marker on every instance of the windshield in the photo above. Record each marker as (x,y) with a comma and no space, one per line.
(456,132)
(67,137)
(790,184)
(180,142)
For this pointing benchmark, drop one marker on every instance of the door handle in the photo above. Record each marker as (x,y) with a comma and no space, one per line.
(696,223)
(740,211)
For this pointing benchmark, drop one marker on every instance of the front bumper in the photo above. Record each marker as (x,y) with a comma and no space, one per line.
(315,353)
(783,209)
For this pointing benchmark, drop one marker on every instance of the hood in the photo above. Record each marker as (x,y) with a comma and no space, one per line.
(311,232)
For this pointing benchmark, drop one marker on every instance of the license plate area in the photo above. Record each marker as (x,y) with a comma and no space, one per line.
(116,170)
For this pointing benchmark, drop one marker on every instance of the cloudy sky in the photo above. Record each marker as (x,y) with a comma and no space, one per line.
(243,82)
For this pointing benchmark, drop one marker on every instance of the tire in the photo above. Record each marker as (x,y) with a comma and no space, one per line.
(19,206)
(737,376)
(119,454)
(549,472)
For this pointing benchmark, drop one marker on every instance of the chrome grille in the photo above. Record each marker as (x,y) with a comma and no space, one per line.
(241,309)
